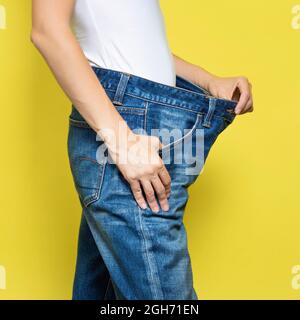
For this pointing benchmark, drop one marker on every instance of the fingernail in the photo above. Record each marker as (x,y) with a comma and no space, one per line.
(156,209)
(165,206)
(144,206)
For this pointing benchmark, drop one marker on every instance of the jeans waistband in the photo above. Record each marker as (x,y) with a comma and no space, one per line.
(185,94)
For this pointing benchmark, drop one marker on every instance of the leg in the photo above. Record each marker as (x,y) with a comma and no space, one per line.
(146,253)
(92,279)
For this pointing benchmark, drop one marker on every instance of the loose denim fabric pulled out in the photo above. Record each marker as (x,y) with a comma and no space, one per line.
(125,252)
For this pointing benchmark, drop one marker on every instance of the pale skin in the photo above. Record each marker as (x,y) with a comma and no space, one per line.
(52,36)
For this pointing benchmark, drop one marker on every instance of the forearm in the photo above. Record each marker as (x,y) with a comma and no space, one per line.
(192,72)
(74,74)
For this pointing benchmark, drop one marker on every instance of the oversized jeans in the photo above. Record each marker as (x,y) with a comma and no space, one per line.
(125,252)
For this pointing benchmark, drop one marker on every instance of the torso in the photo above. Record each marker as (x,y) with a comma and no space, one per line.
(125,35)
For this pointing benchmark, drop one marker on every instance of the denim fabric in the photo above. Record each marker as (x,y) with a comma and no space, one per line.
(125,252)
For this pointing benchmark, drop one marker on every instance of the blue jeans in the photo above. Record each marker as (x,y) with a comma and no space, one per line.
(125,252)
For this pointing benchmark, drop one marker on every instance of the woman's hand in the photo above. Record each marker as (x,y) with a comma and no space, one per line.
(139,162)
(234,88)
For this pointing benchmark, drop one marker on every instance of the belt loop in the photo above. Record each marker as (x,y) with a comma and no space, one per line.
(210,112)
(118,99)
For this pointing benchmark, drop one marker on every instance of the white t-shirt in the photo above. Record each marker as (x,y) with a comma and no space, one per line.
(125,35)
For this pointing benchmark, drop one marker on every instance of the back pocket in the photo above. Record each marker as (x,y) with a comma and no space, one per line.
(88,176)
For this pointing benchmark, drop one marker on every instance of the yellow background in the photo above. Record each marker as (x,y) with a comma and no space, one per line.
(243,218)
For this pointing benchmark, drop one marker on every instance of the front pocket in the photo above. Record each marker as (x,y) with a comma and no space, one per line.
(185,135)
(134,117)
(88,175)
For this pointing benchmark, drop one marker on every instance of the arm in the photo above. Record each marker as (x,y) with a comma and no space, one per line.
(235,88)
(53,37)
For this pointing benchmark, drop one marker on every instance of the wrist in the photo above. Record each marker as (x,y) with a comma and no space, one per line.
(117,141)
(205,79)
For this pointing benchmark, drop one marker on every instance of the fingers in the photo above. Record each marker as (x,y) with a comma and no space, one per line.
(160,191)
(157,185)
(248,107)
(245,103)
(152,188)
(138,194)
(166,180)
(150,195)
(150,182)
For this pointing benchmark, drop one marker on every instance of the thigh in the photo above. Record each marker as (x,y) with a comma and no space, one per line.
(146,254)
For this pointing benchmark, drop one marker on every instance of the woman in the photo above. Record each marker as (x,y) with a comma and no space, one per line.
(113,61)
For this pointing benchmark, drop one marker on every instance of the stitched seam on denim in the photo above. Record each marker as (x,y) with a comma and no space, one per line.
(116,97)
(166,104)
(154,265)
(170,105)
(121,88)
(172,144)
(84,124)
(196,94)
(131,110)
(164,86)
(120,94)
(79,123)
(153,82)
(145,118)
(88,200)
(163,104)
(158,102)
(87,158)
(125,82)
(210,113)
(101,181)
(106,291)
(76,121)
(153,281)
(144,251)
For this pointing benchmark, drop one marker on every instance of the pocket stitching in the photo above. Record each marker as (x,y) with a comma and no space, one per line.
(171,145)
(131,110)
(79,123)
(88,199)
